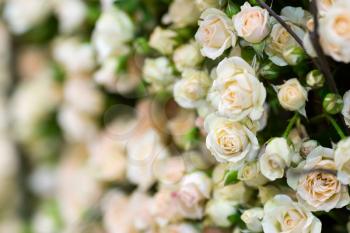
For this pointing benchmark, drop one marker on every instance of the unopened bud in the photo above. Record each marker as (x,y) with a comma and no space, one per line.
(315,79)
(307,147)
(294,55)
(270,71)
(332,103)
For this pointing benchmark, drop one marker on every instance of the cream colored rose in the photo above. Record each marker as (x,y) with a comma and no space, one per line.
(241,94)
(190,91)
(250,174)
(252,218)
(158,72)
(335,31)
(252,23)
(292,95)
(281,214)
(275,159)
(316,189)
(163,40)
(187,56)
(170,171)
(218,210)
(342,160)
(181,16)
(346,108)
(194,189)
(229,141)
(113,30)
(215,33)
(280,40)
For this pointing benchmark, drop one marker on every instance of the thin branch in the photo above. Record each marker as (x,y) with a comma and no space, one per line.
(282,22)
(315,39)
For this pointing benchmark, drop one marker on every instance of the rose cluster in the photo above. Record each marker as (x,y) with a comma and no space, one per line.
(179,116)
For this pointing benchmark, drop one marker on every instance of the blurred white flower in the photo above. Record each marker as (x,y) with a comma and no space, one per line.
(74,55)
(190,91)
(23,15)
(113,30)
(182,13)
(163,40)
(187,56)
(158,72)
(218,210)
(71,14)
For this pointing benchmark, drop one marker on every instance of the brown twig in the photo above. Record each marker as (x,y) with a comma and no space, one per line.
(282,22)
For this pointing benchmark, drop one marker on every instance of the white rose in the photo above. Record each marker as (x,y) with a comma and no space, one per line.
(215,33)
(342,160)
(182,13)
(250,174)
(318,190)
(241,93)
(252,23)
(281,214)
(190,91)
(346,108)
(22,15)
(170,171)
(275,159)
(252,218)
(292,95)
(218,210)
(194,189)
(229,141)
(187,56)
(71,14)
(158,72)
(74,56)
(113,30)
(335,31)
(280,40)
(163,40)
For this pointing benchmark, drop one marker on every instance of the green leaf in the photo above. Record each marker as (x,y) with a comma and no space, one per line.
(234,218)
(232,9)
(122,62)
(231,177)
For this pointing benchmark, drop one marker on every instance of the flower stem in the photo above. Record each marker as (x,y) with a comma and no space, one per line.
(336,126)
(290,125)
